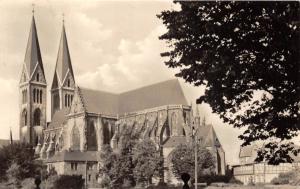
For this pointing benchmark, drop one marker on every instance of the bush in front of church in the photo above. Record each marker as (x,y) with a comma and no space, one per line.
(291,177)
(69,181)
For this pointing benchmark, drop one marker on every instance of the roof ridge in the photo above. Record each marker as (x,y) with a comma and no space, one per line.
(153,84)
(96,90)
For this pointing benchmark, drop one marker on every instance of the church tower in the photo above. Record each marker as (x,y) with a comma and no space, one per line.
(63,84)
(32,91)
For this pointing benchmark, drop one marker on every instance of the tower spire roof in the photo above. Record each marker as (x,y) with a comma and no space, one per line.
(33,53)
(63,62)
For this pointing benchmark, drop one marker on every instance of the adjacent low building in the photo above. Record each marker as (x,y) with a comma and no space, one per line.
(248,171)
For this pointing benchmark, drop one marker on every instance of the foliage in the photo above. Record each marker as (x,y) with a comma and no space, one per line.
(147,160)
(247,56)
(183,160)
(28,183)
(69,181)
(118,166)
(14,174)
(291,177)
(214,178)
(23,155)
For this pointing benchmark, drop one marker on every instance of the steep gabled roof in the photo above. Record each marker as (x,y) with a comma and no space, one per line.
(33,53)
(63,62)
(99,101)
(164,93)
(59,117)
(160,94)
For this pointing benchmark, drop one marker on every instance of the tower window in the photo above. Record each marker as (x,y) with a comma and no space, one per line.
(37,117)
(24,117)
(66,100)
(41,96)
(69,83)
(34,93)
(37,96)
(37,77)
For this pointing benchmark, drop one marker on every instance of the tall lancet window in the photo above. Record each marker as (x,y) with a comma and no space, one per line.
(41,96)
(37,117)
(91,137)
(75,139)
(24,117)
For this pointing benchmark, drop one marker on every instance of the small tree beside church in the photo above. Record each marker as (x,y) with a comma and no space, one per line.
(148,162)
(183,161)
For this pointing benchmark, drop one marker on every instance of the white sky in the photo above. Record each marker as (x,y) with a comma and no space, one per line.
(114,47)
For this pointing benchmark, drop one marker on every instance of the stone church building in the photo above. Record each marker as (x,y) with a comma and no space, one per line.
(83,120)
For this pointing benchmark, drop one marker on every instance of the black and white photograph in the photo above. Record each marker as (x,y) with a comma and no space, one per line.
(149,94)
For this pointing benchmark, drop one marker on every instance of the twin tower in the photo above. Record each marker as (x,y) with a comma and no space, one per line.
(33,87)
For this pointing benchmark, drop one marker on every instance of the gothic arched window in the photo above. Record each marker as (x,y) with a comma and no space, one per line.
(69,83)
(165,132)
(37,77)
(37,117)
(34,93)
(69,100)
(37,95)
(24,117)
(174,124)
(66,100)
(41,96)
(75,138)
(91,137)
(106,133)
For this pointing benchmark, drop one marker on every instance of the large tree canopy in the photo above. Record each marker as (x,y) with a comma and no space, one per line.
(247,56)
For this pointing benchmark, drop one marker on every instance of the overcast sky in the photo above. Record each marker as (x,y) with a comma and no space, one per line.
(114,47)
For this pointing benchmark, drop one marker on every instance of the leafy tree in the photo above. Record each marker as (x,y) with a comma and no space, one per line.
(119,166)
(147,160)
(247,56)
(183,160)
(14,174)
(23,156)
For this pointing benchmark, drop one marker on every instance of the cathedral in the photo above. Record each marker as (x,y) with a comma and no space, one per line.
(84,120)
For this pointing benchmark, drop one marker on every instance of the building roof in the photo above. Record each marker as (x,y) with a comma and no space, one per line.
(74,156)
(63,62)
(33,53)
(99,101)
(164,93)
(59,117)
(159,94)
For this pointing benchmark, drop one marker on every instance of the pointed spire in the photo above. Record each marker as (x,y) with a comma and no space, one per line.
(33,53)
(11,138)
(63,62)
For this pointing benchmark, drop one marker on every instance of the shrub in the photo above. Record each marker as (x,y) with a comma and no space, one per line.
(214,178)
(69,181)
(291,177)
